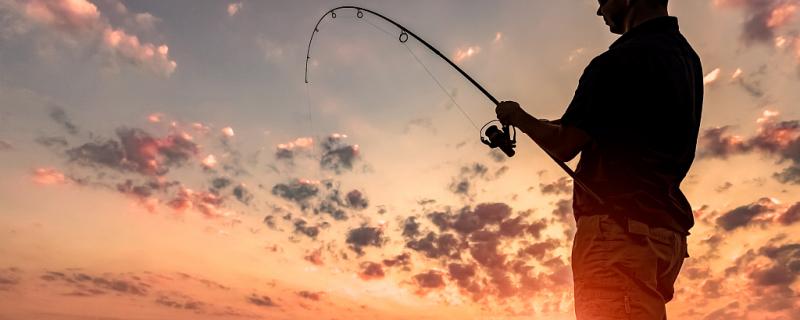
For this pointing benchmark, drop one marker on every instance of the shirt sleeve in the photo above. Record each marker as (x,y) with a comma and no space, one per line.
(595,107)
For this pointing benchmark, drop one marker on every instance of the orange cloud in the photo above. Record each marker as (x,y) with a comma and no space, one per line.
(48,176)
(465,53)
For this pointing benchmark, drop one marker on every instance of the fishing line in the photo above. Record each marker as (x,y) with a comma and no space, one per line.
(495,137)
(430,74)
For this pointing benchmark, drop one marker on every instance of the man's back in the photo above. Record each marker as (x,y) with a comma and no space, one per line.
(641,103)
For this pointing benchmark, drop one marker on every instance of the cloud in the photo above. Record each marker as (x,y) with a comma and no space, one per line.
(371,271)
(337,155)
(4,145)
(50,142)
(463,54)
(234,8)
(260,300)
(711,77)
(724,187)
(364,236)
(747,214)
(179,301)
(773,137)
(763,17)
(315,257)
(91,285)
(403,260)
(82,23)
(315,296)
(411,228)
(429,280)
(242,194)
(298,191)
(356,200)
(288,151)
(435,246)
(136,151)
(301,226)
(48,176)
(9,278)
(561,186)
(59,116)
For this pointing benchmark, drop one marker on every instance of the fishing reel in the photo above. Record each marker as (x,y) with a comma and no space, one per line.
(500,138)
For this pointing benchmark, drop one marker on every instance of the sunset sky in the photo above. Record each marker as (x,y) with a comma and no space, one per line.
(166,160)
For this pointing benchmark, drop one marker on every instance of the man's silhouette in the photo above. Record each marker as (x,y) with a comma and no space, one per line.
(634,119)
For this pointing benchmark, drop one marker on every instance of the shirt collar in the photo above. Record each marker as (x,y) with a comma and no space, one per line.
(659,24)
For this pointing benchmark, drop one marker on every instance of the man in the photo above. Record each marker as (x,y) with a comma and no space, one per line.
(634,118)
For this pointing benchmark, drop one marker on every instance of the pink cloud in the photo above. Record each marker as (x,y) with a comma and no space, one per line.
(466,53)
(84,23)
(234,8)
(128,47)
(48,176)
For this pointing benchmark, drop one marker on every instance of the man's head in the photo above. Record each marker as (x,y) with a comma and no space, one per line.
(621,15)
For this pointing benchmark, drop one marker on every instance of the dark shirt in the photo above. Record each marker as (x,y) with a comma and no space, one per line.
(640,102)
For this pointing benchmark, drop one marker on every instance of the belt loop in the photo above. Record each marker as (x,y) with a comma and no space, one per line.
(638,228)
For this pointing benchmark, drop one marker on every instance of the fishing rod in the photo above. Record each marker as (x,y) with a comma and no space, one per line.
(494,137)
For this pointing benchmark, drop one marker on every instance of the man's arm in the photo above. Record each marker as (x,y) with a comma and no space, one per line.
(562,142)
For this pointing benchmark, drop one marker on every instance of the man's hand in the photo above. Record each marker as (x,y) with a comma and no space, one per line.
(562,142)
(510,113)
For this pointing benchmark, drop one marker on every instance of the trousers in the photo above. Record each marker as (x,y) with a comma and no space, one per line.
(624,272)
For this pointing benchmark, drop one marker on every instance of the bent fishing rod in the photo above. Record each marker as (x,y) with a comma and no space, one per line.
(495,138)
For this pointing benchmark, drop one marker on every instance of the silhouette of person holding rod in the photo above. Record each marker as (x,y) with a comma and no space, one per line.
(634,119)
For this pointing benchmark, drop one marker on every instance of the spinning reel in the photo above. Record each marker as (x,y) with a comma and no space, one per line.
(500,138)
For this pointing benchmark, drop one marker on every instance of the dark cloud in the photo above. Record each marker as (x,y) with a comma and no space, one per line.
(461,273)
(716,142)
(242,194)
(535,229)
(315,296)
(423,123)
(746,214)
(58,115)
(411,228)
(435,246)
(297,191)
(315,257)
(220,183)
(429,280)
(337,155)
(4,145)
(492,213)
(780,139)
(760,22)
(724,187)
(90,285)
(9,278)
(136,151)
(464,183)
(403,260)
(179,301)
(364,236)
(460,187)
(371,270)
(261,300)
(301,226)
(356,200)
(51,142)
(538,250)
(791,215)
(487,254)
(497,155)
(561,186)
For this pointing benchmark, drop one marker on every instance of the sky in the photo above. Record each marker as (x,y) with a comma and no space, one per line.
(167,160)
